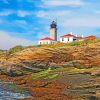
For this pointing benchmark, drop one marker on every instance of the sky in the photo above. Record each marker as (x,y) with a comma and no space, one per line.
(24,22)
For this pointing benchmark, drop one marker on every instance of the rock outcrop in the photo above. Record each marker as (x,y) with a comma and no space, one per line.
(38,58)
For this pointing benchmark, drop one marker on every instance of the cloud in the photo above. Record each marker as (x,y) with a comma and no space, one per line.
(41,35)
(82,22)
(7,41)
(1,21)
(6,12)
(53,14)
(62,2)
(98,12)
(20,22)
(23,13)
(41,14)
(20,13)
(25,1)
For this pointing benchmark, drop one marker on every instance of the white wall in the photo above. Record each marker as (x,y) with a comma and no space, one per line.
(45,42)
(66,39)
(71,39)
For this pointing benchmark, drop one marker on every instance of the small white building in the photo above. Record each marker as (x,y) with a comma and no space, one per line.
(46,40)
(68,38)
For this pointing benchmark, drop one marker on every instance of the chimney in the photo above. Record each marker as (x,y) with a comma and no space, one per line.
(71,33)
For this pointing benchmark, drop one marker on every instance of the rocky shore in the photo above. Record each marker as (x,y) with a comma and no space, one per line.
(73,84)
(40,89)
(55,73)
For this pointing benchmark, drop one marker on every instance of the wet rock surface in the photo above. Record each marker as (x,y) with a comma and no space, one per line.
(68,85)
(6,94)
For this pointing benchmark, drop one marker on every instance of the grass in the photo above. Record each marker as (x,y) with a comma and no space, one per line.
(51,76)
(77,70)
(47,74)
(75,43)
(53,73)
(83,69)
(41,74)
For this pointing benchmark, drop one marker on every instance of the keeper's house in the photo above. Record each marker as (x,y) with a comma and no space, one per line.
(46,40)
(69,38)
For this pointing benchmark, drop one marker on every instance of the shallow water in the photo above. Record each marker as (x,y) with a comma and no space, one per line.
(9,95)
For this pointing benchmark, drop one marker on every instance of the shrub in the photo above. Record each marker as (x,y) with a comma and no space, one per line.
(16,49)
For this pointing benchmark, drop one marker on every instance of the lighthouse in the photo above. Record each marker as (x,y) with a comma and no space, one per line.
(53,30)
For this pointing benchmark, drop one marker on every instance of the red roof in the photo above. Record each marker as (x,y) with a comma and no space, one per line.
(91,37)
(48,38)
(68,35)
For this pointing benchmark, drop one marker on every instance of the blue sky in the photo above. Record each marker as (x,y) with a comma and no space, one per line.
(24,22)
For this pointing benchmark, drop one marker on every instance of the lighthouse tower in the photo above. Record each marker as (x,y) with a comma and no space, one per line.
(53,30)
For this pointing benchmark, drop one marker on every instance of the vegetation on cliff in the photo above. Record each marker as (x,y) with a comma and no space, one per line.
(53,71)
(20,60)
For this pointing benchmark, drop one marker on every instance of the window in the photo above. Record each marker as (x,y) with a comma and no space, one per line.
(68,39)
(62,39)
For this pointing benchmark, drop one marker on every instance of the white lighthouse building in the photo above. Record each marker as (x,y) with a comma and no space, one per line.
(67,38)
(53,30)
(53,35)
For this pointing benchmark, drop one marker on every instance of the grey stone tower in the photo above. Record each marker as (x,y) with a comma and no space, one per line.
(53,30)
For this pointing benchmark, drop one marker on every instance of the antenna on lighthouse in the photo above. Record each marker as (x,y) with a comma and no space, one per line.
(56,20)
